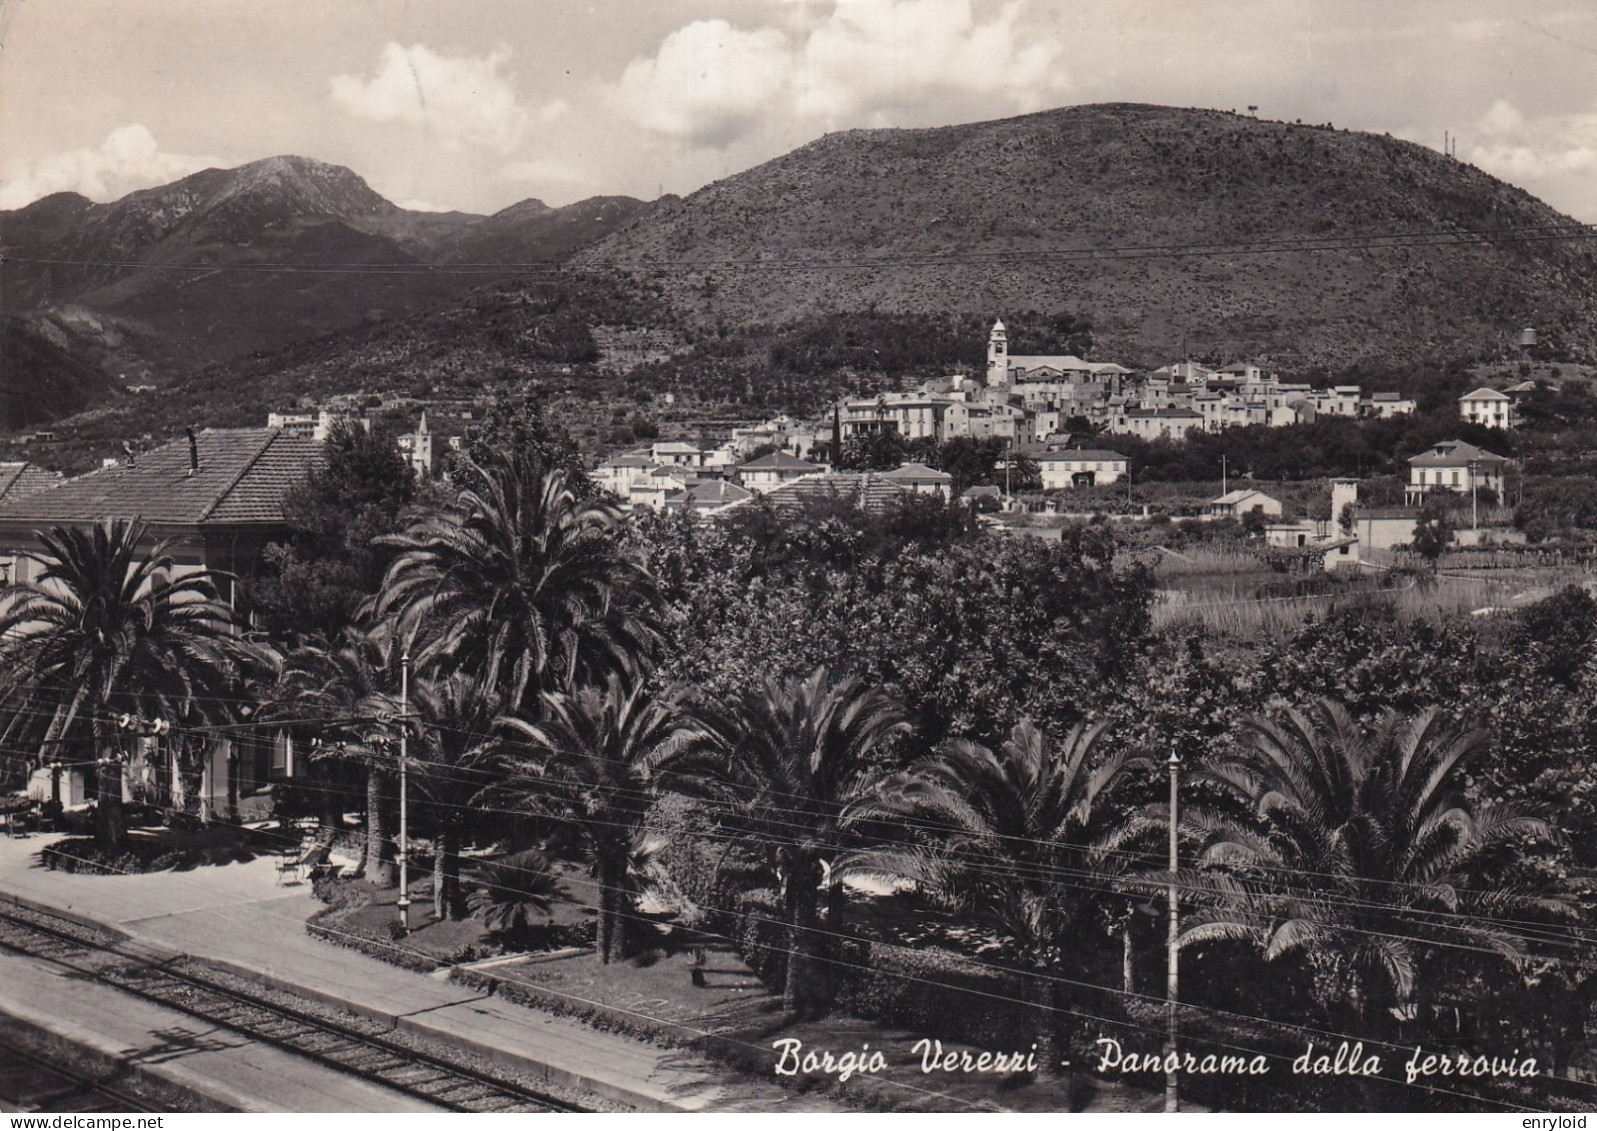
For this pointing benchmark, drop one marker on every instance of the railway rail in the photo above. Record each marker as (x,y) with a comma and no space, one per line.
(177,984)
(32,1082)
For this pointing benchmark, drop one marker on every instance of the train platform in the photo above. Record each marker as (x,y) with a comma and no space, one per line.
(240,916)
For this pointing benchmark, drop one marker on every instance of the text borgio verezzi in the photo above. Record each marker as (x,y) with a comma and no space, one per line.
(793,1059)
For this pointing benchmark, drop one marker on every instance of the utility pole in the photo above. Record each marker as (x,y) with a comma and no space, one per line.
(1474,509)
(1222,474)
(404,798)
(1172,1095)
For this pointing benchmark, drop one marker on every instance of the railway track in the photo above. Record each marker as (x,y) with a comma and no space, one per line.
(347,1046)
(32,1082)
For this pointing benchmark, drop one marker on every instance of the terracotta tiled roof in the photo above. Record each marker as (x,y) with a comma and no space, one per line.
(1454,453)
(21,479)
(918,472)
(1238,497)
(778,461)
(871,493)
(717,492)
(1078,453)
(243,477)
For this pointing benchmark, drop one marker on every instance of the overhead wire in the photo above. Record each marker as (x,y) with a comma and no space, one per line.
(1532,931)
(1118,1023)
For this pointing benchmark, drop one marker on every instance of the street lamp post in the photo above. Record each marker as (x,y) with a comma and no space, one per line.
(1172,1096)
(404,797)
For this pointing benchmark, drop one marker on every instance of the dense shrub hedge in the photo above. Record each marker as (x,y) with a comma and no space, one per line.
(932,991)
(929,990)
(332,925)
(175,852)
(760,936)
(329,927)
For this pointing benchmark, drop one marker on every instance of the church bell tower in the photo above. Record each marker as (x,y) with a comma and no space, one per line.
(998,357)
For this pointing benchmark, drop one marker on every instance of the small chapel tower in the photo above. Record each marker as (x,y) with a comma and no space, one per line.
(998,357)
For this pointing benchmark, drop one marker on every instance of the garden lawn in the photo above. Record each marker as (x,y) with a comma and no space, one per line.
(736,1019)
(459,940)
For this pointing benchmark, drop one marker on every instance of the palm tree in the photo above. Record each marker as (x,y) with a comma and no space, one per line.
(458,744)
(510,893)
(518,583)
(1027,841)
(597,749)
(350,691)
(107,629)
(795,753)
(1357,851)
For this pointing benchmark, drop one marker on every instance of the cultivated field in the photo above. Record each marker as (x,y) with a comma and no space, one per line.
(1232,591)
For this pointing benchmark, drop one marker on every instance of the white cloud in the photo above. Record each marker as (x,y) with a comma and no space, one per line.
(457,99)
(708,83)
(1552,156)
(1503,119)
(875,56)
(128,159)
(869,62)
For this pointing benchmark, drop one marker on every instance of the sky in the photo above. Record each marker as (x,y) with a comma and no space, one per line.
(474,105)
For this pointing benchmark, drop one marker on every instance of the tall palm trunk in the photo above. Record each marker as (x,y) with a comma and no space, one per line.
(332,818)
(110,825)
(447,900)
(798,993)
(378,862)
(191,779)
(836,913)
(1039,991)
(611,875)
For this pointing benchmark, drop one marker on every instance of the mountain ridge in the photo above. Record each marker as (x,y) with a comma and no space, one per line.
(208,268)
(1018,214)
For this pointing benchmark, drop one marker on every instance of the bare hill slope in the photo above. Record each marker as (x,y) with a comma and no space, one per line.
(1027,214)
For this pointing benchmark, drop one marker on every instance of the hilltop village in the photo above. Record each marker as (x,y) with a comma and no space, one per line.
(1048,423)
(1058,417)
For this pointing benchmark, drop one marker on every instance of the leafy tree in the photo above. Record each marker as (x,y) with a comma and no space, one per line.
(1361,852)
(1433,532)
(516,428)
(518,583)
(313,583)
(110,627)
(972,463)
(1026,840)
(1556,635)
(972,633)
(873,451)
